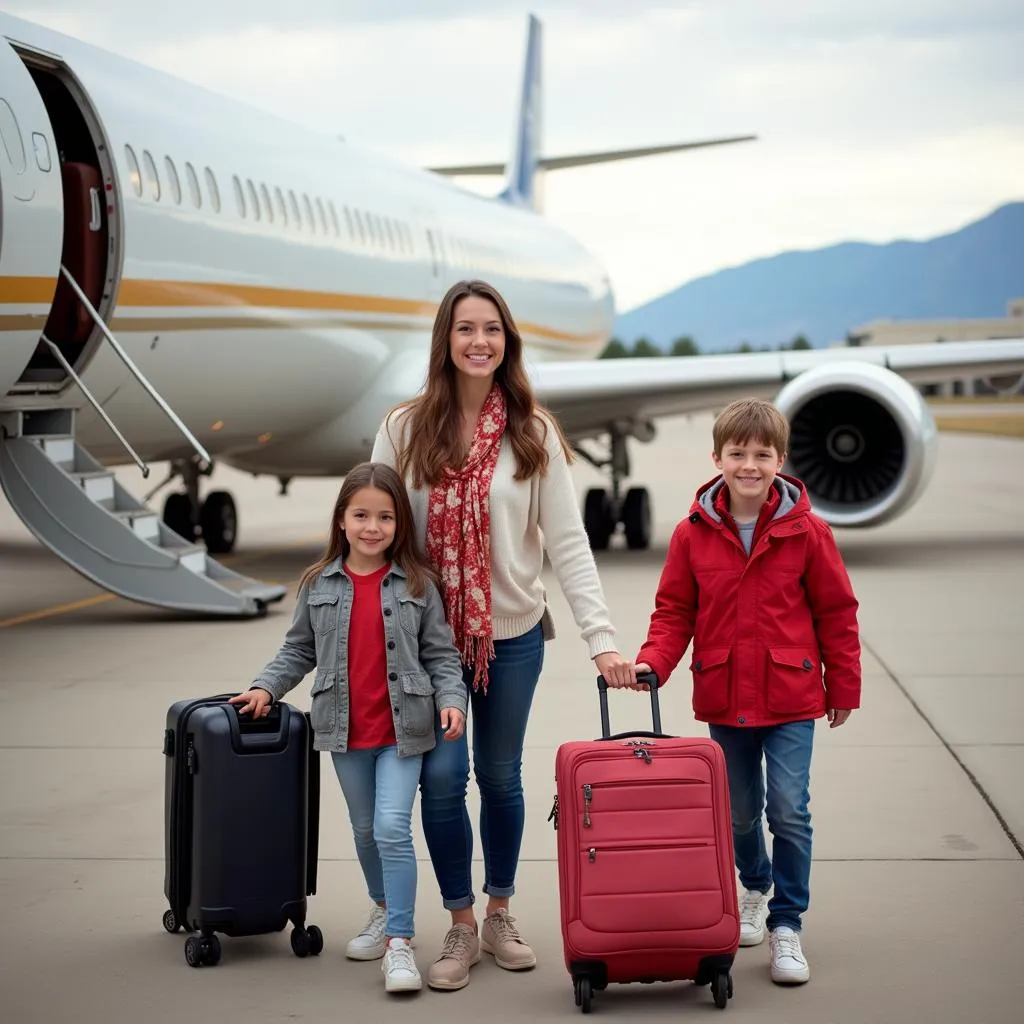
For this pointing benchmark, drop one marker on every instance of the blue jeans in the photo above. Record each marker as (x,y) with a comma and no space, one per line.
(787,754)
(380,789)
(499,731)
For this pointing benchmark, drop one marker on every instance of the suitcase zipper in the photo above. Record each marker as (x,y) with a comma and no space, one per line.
(587,794)
(668,844)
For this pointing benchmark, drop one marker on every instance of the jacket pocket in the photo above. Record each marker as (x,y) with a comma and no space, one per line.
(417,704)
(323,708)
(794,685)
(711,680)
(410,613)
(323,612)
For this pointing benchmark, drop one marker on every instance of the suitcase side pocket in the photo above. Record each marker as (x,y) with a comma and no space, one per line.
(312,810)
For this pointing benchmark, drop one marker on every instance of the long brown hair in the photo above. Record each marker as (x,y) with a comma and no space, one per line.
(403,550)
(434,438)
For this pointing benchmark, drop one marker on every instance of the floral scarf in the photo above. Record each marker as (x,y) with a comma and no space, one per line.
(459,539)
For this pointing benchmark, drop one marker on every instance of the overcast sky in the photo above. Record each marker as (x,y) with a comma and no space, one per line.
(876,120)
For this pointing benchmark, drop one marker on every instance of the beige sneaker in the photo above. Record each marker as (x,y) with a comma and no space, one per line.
(460,951)
(500,937)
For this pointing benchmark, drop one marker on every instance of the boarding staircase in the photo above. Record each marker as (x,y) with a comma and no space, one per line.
(80,511)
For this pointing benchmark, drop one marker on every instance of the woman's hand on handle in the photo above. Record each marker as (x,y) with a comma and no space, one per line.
(617,671)
(254,701)
(453,721)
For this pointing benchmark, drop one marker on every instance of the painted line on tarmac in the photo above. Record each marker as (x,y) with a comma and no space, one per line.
(56,610)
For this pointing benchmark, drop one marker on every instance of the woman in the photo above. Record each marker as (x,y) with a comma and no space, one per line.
(487,471)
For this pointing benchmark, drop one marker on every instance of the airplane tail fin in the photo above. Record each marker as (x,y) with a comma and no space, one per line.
(521,170)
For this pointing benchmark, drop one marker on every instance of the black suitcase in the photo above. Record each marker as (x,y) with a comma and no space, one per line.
(241,825)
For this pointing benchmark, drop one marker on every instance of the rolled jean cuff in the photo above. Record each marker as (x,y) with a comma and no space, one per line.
(502,893)
(462,903)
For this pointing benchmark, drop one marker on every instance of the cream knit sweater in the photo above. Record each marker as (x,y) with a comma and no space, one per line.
(521,510)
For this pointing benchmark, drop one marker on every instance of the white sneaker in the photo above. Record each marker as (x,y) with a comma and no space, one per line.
(369,943)
(399,968)
(753,914)
(789,967)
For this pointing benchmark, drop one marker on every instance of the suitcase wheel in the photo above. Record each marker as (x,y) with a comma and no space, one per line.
(307,941)
(202,951)
(721,989)
(170,921)
(583,991)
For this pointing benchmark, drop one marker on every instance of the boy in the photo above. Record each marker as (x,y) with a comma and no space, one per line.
(755,579)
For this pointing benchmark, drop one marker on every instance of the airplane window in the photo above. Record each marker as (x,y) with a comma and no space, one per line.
(308,208)
(359,226)
(193,186)
(211,187)
(133,170)
(321,214)
(239,195)
(282,210)
(154,180)
(348,222)
(334,217)
(251,190)
(391,237)
(294,204)
(371,227)
(265,196)
(172,177)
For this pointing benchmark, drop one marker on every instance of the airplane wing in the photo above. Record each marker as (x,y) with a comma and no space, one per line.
(588,396)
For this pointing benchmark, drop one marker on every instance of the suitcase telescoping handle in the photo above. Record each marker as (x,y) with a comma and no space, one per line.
(651,680)
(263,736)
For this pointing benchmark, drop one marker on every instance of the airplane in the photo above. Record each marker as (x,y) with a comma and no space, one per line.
(186,279)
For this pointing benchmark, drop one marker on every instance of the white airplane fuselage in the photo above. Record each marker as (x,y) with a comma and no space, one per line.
(276,286)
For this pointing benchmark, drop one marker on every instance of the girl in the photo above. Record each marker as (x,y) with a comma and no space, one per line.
(488,473)
(369,618)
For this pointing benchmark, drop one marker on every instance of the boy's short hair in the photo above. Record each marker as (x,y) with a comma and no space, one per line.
(751,419)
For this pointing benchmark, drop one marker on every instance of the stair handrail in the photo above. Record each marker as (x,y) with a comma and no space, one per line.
(139,376)
(96,405)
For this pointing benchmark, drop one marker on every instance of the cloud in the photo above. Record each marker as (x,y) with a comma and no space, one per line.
(875,119)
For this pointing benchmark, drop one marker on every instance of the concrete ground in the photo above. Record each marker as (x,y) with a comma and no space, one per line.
(918,883)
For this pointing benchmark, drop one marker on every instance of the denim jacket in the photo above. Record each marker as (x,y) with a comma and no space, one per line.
(424,669)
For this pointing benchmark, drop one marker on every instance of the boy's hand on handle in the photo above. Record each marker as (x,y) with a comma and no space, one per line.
(617,671)
(638,670)
(255,702)
(453,721)
(836,717)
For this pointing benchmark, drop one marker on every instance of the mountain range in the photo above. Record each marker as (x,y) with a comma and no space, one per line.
(824,293)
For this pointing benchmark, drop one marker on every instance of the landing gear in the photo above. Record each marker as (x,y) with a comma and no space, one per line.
(215,519)
(604,510)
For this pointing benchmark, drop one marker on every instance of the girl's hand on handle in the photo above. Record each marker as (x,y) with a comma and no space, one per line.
(453,721)
(255,702)
(617,671)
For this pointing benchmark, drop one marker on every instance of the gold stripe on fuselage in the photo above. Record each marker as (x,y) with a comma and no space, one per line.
(237,297)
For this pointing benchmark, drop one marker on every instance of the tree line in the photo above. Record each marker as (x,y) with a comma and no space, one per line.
(686,346)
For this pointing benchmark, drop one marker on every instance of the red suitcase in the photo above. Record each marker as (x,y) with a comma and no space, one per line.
(646,870)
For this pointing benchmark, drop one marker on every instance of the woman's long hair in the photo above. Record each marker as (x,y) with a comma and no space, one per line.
(403,550)
(434,438)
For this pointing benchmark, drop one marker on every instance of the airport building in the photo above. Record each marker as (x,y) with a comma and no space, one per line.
(916,332)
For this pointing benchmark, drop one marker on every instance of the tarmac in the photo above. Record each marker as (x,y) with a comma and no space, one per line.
(917,903)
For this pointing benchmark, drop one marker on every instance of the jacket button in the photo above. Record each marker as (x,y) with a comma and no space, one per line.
(808,664)
(387,581)
(695,517)
(697,666)
(741,720)
(395,709)
(392,676)
(391,645)
(387,611)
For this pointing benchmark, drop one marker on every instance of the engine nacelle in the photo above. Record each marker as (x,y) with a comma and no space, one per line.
(862,440)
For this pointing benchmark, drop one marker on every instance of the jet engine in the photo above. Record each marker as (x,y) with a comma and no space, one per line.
(862,440)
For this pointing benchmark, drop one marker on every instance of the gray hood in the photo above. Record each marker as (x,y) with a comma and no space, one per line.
(789,495)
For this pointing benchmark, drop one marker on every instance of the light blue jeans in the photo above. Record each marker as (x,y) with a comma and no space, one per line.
(786,750)
(379,788)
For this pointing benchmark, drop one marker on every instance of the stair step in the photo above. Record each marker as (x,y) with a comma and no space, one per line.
(98,486)
(192,556)
(60,449)
(143,523)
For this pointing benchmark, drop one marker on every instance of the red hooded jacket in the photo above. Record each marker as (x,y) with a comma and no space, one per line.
(765,628)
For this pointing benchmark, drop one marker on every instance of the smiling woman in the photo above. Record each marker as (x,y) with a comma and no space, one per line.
(488,474)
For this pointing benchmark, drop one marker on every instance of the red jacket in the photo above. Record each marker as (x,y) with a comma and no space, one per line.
(764,627)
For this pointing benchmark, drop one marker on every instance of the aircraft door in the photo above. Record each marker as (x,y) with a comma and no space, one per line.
(31,216)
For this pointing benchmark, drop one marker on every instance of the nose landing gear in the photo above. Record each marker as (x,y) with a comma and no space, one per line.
(604,510)
(215,519)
